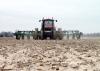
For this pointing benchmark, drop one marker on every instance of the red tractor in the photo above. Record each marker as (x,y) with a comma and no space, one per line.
(48,30)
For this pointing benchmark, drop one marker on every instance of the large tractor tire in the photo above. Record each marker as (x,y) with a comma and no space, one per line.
(54,35)
(35,35)
(60,34)
(42,37)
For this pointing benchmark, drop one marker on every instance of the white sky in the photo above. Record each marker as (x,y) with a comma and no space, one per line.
(83,15)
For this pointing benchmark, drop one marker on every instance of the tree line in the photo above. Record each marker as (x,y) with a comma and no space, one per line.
(6,34)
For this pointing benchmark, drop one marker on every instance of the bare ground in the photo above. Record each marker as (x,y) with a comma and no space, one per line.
(49,55)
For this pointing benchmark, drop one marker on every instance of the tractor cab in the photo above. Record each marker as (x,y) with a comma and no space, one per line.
(47,24)
(47,28)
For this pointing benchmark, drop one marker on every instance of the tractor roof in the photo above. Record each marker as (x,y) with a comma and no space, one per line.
(47,20)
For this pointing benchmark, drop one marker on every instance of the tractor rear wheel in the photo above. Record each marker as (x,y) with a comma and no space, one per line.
(54,34)
(60,34)
(42,37)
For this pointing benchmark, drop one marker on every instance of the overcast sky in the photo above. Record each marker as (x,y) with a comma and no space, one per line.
(83,15)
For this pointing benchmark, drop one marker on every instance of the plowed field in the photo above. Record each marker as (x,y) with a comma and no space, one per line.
(49,55)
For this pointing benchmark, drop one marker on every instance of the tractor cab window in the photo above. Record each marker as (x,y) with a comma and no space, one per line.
(48,22)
